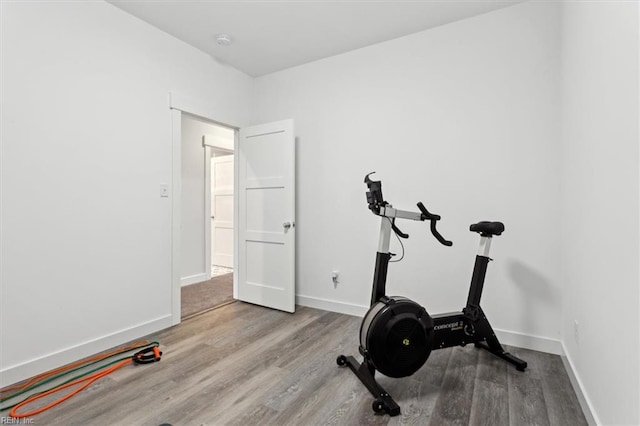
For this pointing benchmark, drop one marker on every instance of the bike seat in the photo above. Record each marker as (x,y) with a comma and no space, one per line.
(487,229)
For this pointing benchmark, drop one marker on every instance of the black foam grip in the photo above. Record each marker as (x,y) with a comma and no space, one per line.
(398,232)
(439,237)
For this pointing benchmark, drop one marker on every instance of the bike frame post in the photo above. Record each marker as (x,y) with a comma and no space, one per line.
(479,272)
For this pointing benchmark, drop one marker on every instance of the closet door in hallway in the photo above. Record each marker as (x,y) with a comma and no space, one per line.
(222,211)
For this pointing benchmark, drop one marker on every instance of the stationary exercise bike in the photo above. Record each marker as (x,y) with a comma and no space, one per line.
(397,335)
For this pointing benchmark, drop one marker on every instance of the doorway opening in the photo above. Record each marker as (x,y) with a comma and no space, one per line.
(207,225)
(264,207)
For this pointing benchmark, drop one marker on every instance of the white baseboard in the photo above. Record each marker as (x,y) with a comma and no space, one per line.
(583,397)
(527,341)
(331,305)
(30,368)
(193,279)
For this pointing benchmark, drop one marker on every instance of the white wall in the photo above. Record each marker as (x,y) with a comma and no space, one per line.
(464,117)
(600,193)
(194,264)
(86,143)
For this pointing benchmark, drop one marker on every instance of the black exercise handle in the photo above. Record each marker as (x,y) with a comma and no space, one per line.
(439,237)
(425,213)
(434,218)
(397,230)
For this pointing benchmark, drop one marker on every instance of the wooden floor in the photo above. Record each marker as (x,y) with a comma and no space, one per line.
(246,365)
(204,296)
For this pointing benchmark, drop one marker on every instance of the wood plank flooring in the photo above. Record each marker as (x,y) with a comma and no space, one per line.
(246,365)
(204,296)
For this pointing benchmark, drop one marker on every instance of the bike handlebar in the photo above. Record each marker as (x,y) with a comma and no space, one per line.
(434,218)
(376,201)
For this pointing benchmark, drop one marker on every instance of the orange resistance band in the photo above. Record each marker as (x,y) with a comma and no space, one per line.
(88,380)
(141,357)
(71,366)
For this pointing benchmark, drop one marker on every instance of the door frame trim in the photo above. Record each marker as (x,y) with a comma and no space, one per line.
(178,105)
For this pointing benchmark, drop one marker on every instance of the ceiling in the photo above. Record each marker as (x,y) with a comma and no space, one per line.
(269,36)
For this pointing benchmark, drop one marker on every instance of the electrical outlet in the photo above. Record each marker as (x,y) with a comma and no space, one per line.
(164,190)
(576,331)
(335,277)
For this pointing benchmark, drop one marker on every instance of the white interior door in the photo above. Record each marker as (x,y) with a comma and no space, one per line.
(266,228)
(222,211)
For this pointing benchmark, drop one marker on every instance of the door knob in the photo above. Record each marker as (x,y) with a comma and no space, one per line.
(288,225)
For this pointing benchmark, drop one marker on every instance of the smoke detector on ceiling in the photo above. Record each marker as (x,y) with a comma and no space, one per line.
(223,39)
